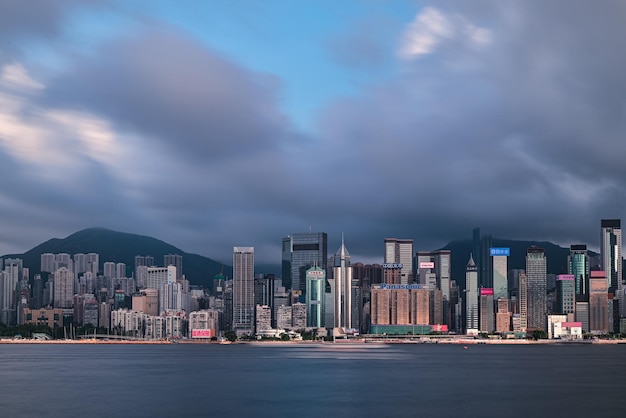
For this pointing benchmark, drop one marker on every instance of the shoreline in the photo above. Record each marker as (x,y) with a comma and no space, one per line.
(459,341)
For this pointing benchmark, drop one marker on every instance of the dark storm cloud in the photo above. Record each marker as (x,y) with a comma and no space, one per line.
(190,99)
(522,136)
(508,116)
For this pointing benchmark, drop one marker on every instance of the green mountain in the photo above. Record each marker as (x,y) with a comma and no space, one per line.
(120,247)
(556,256)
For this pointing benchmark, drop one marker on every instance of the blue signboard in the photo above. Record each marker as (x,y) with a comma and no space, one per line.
(500,252)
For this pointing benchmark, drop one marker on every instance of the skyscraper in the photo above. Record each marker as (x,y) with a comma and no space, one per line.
(315,297)
(566,294)
(499,272)
(578,265)
(471,298)
(598,303)
(523,302)
(536,276)
(611,252)
(300,252)
(243,290)
(400,251)
(343,288)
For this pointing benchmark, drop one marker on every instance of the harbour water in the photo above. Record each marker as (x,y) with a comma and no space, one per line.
(366,380)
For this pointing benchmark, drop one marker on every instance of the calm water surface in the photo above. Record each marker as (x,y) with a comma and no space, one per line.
(311,381)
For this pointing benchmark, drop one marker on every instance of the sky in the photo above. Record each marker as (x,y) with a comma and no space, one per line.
(235,123)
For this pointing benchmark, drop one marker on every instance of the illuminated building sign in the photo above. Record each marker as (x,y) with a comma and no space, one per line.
(393,265)
(386,286)
(427,265)
(495,252)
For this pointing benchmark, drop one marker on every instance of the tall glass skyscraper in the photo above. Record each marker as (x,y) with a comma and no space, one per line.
(315,297)
(611,252)
(243,290)
(536,285)
(301,252)
(578,265)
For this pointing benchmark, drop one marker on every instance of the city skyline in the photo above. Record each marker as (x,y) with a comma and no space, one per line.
(222,123)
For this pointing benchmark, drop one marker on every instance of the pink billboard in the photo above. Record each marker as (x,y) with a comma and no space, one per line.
(599,274)
(202,333)
(565,277)
(486,291)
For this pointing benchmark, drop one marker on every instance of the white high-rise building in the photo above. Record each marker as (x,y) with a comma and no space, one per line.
(400,251)
(471,298)
(342,274)
(243,290)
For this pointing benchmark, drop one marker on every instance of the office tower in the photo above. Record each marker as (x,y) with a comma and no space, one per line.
(156,277)
(471,297)
(63,288)
(487,317)
(37,300)
(578,265)
(611,253)
(425,263)
(281,298)
(444,272)
(243,290)
(523,301)
(343,288)
(485,275)
(503,316)
(499,272)
(566,288)
(47,263)
(315,297)
(174,260)
(299,253)
(536,276)
(598,303)
(400,251)
(264,289)
(356,298)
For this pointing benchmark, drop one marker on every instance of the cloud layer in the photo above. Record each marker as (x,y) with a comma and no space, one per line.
(509,117)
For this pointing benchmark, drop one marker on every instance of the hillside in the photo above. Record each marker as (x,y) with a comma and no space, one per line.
(121,247)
